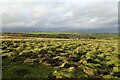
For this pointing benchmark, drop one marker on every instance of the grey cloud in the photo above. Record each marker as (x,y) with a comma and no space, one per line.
(61,16)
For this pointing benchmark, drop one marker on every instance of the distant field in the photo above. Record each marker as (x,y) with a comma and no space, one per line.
(106,35)
(63,35)
(52,32)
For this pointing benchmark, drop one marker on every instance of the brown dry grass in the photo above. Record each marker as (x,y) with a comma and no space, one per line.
(27,38)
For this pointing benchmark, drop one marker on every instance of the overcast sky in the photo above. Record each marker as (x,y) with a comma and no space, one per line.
(59,15)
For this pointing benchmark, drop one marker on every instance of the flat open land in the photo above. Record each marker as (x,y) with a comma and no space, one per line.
(65,56)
